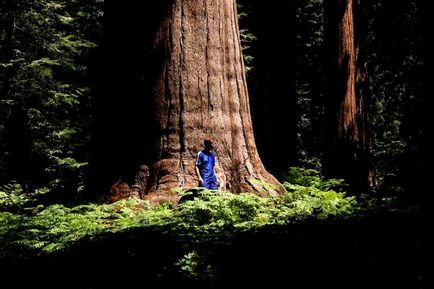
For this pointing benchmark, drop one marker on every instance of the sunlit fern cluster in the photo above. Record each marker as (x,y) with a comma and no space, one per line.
(208,213)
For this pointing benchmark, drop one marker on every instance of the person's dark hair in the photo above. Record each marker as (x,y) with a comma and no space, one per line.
(207,143)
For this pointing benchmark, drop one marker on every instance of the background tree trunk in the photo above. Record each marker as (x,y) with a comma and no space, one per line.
(348,145)
(201,93)
(366,172)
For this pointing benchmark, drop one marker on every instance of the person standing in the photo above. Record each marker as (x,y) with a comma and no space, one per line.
(205,167)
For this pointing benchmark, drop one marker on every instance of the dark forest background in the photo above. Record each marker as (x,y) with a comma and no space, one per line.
(75,94)
(76,113)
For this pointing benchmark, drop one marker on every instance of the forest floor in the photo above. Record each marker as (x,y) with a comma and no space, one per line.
(313,236)
(378,251)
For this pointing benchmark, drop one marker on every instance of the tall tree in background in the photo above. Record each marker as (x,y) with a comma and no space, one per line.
(348,145)
(200,93)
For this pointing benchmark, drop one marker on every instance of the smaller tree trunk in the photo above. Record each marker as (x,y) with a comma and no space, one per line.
(348,145)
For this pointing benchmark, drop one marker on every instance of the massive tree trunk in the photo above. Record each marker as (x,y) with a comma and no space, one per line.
(348,145)
(201,93)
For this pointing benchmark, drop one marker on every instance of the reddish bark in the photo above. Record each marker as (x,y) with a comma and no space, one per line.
(201,93)
(348,145)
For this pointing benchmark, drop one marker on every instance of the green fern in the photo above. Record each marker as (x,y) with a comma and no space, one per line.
(206,217)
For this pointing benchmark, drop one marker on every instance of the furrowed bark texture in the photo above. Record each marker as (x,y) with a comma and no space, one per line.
(201,93)
(348,145)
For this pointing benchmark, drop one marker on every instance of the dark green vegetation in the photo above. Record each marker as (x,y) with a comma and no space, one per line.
(69,111)
(45,97)
(287,85)
(212,239)
(53,55)
(56,227)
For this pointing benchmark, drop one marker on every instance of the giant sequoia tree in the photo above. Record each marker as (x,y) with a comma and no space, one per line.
(200,92)
(348,144)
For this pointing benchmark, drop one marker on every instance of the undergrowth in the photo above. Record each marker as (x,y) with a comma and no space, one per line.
(208,214)
(203,220)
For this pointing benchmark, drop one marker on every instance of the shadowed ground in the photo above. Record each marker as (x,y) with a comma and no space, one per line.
(373,253)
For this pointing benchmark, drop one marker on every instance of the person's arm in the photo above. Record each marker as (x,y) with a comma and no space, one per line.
(215,172)
(198,175)
(215,163)
(197,164)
